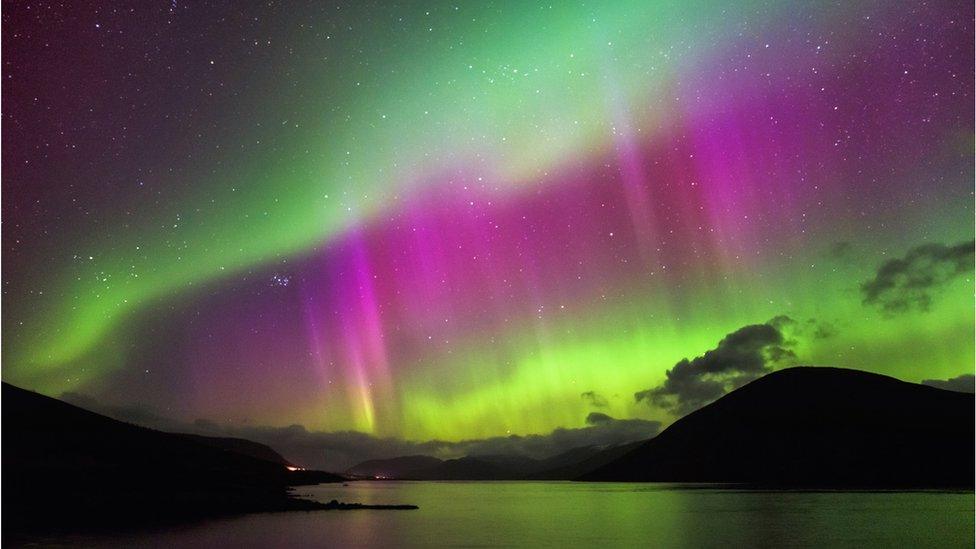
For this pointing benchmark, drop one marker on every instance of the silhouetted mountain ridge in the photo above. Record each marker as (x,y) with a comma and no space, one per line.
(564,466)
(404,467)
(241,446)
(63,464)
(814,426)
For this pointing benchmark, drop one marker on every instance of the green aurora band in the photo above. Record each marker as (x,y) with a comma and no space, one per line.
(717,166)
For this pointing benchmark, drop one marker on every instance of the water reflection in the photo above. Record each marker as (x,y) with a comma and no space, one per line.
(567,514)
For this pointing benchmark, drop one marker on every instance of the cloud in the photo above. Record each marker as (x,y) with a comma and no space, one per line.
(909,282)
(595,399)
(822,330)
(965,383)
(792,329)
(339,450)
(841,250)
(740,357)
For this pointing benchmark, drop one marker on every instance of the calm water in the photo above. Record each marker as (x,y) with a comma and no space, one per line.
(568,514)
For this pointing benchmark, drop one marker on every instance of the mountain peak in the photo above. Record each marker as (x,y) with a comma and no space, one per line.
(814,426)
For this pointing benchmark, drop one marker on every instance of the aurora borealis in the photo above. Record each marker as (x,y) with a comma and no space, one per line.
(450,220)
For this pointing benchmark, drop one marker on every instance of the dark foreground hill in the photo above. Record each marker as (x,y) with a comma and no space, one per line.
(814,427)
(64,466)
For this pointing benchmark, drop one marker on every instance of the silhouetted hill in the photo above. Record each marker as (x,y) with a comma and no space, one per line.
(429,468)
(565,466)
(63,465)
(470,468)
(241,446)
(296,476)
(806,426)
(579,461)
(405,467)
(509,466)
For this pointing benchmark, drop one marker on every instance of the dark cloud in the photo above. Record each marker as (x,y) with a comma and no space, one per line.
(821,330)
(792,329)
(965,383)
(740,357)
(595,399)
(841,250)
(597,418)
(909,282)
(337,451)
(780,322)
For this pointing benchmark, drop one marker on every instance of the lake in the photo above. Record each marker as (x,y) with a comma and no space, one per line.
(570,514)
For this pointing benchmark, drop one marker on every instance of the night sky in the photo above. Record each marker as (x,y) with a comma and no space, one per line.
(457,220)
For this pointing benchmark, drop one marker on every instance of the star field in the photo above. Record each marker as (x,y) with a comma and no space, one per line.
(451,219)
